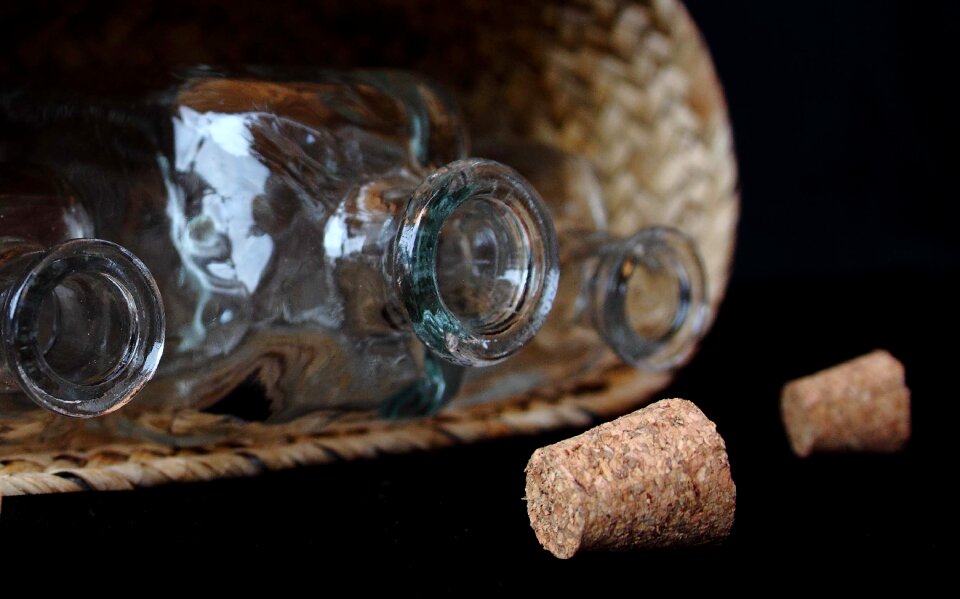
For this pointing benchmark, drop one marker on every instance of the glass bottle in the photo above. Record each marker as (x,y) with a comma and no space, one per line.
(82,326)
(329,217)
(641,298)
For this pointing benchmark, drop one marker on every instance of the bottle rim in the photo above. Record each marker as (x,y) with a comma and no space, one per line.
(675,253)
(130,280)
(520,210)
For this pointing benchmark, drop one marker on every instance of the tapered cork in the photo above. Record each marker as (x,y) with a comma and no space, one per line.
(654,478)
(860,405)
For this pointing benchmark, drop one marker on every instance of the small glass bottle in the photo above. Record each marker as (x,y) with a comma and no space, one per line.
(326,224)
(82,326)
(642,297)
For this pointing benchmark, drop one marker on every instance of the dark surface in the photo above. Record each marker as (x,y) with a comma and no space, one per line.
(848,239)
(845,126)
(460,511)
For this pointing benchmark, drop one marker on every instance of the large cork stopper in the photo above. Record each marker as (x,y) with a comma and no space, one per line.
(860,405)
(657,477)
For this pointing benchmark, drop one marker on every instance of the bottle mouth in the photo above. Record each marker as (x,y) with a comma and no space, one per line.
(476,262)
(651,298)
(84,329)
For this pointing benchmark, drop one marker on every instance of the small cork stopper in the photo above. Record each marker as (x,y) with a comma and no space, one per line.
(657,477)
(860,405)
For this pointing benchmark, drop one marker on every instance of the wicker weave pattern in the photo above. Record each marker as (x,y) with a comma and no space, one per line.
(126,466)
(629,85)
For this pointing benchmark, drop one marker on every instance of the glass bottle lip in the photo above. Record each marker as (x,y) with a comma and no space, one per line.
(131,280)
(676,253)
(415,256)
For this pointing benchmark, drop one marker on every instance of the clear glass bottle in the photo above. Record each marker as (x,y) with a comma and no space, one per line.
(328,218)
(641,298)
(82,326)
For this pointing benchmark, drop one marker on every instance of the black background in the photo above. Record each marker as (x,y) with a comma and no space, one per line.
(845,122)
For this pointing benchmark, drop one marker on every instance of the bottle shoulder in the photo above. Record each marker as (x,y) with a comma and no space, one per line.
(395,106)
(40,210)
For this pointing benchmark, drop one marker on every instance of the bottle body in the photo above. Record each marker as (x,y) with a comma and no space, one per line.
(276,212)
(298,228)
(639,300)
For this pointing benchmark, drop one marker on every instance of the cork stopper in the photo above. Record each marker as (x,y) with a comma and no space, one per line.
(860,405)
(657,477)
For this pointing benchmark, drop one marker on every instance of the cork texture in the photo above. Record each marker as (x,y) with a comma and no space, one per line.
(860,405)
(655,478)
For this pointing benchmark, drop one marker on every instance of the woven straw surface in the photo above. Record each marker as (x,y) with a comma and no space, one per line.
(628,84)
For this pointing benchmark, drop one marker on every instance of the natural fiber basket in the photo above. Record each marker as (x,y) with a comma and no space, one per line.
(629,85)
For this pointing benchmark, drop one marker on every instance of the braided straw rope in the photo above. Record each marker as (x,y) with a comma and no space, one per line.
(629,85)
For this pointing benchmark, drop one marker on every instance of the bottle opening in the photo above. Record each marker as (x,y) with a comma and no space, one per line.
(483,263)
(476,262)
(86,328)
(652,304)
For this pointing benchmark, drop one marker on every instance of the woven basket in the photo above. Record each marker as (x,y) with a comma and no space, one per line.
(629,85)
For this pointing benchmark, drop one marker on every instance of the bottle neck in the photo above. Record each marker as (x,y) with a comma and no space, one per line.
(81,327)
(648,297)
(475,262)
(439,383)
